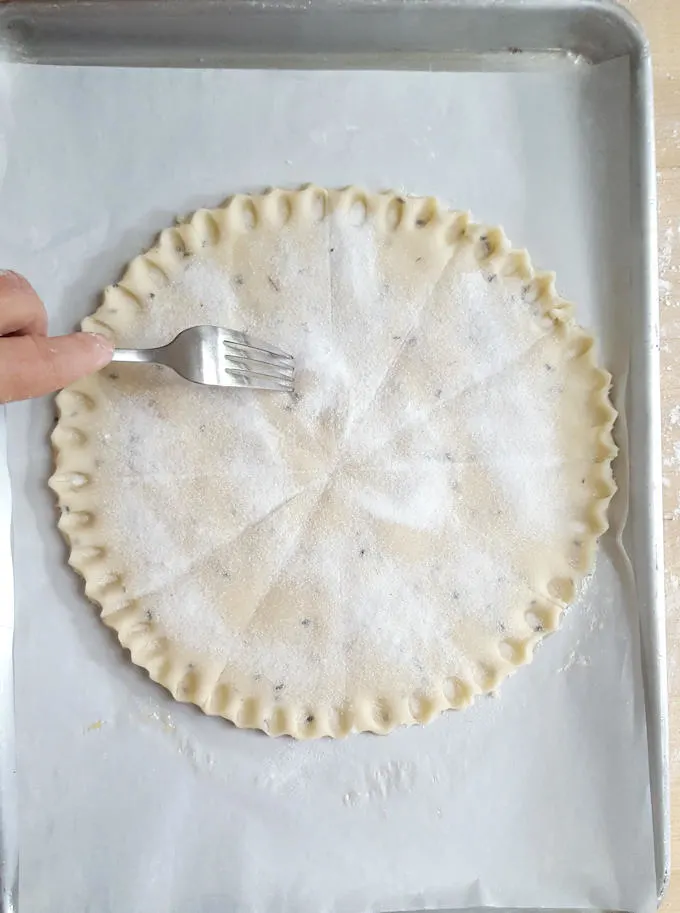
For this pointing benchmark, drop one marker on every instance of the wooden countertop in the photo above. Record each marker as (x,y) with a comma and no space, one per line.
(661,20)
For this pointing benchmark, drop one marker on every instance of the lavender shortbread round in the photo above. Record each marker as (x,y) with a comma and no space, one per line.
(389,541)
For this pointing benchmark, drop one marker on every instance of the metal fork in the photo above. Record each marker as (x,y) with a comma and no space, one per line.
(220,358)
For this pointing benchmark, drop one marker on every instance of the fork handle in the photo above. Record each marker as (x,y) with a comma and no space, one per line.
(136,355)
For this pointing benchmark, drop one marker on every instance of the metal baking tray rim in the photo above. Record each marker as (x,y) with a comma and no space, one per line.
(41,31)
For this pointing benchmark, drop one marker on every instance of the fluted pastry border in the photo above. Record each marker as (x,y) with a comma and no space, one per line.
(166,661)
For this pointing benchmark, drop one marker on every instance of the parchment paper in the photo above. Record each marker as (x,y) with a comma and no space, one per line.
(130,802)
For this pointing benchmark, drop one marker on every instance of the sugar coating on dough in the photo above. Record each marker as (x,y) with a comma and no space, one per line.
(391,539)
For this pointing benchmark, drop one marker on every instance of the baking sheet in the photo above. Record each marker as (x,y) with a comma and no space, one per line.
(131,802)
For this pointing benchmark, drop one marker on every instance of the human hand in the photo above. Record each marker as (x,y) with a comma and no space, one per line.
(31,362)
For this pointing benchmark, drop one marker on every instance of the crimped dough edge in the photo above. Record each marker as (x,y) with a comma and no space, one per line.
(166,662)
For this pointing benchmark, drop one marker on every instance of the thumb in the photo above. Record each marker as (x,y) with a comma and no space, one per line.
(35,365)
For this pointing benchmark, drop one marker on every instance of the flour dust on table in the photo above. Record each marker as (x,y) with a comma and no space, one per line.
(387,542)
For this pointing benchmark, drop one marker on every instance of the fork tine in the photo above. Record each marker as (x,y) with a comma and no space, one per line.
(256,372)
(259,382)
(251,342)
(260,365)
(232,350)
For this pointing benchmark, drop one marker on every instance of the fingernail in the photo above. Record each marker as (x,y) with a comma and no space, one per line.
(101,339)
(10,274)
(104,345)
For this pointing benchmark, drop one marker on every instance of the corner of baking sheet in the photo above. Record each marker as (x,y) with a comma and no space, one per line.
(631,27)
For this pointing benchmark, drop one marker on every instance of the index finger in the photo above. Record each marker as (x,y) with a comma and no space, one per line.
(34,365)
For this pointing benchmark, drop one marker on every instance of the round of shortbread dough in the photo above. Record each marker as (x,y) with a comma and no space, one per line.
(390,540)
